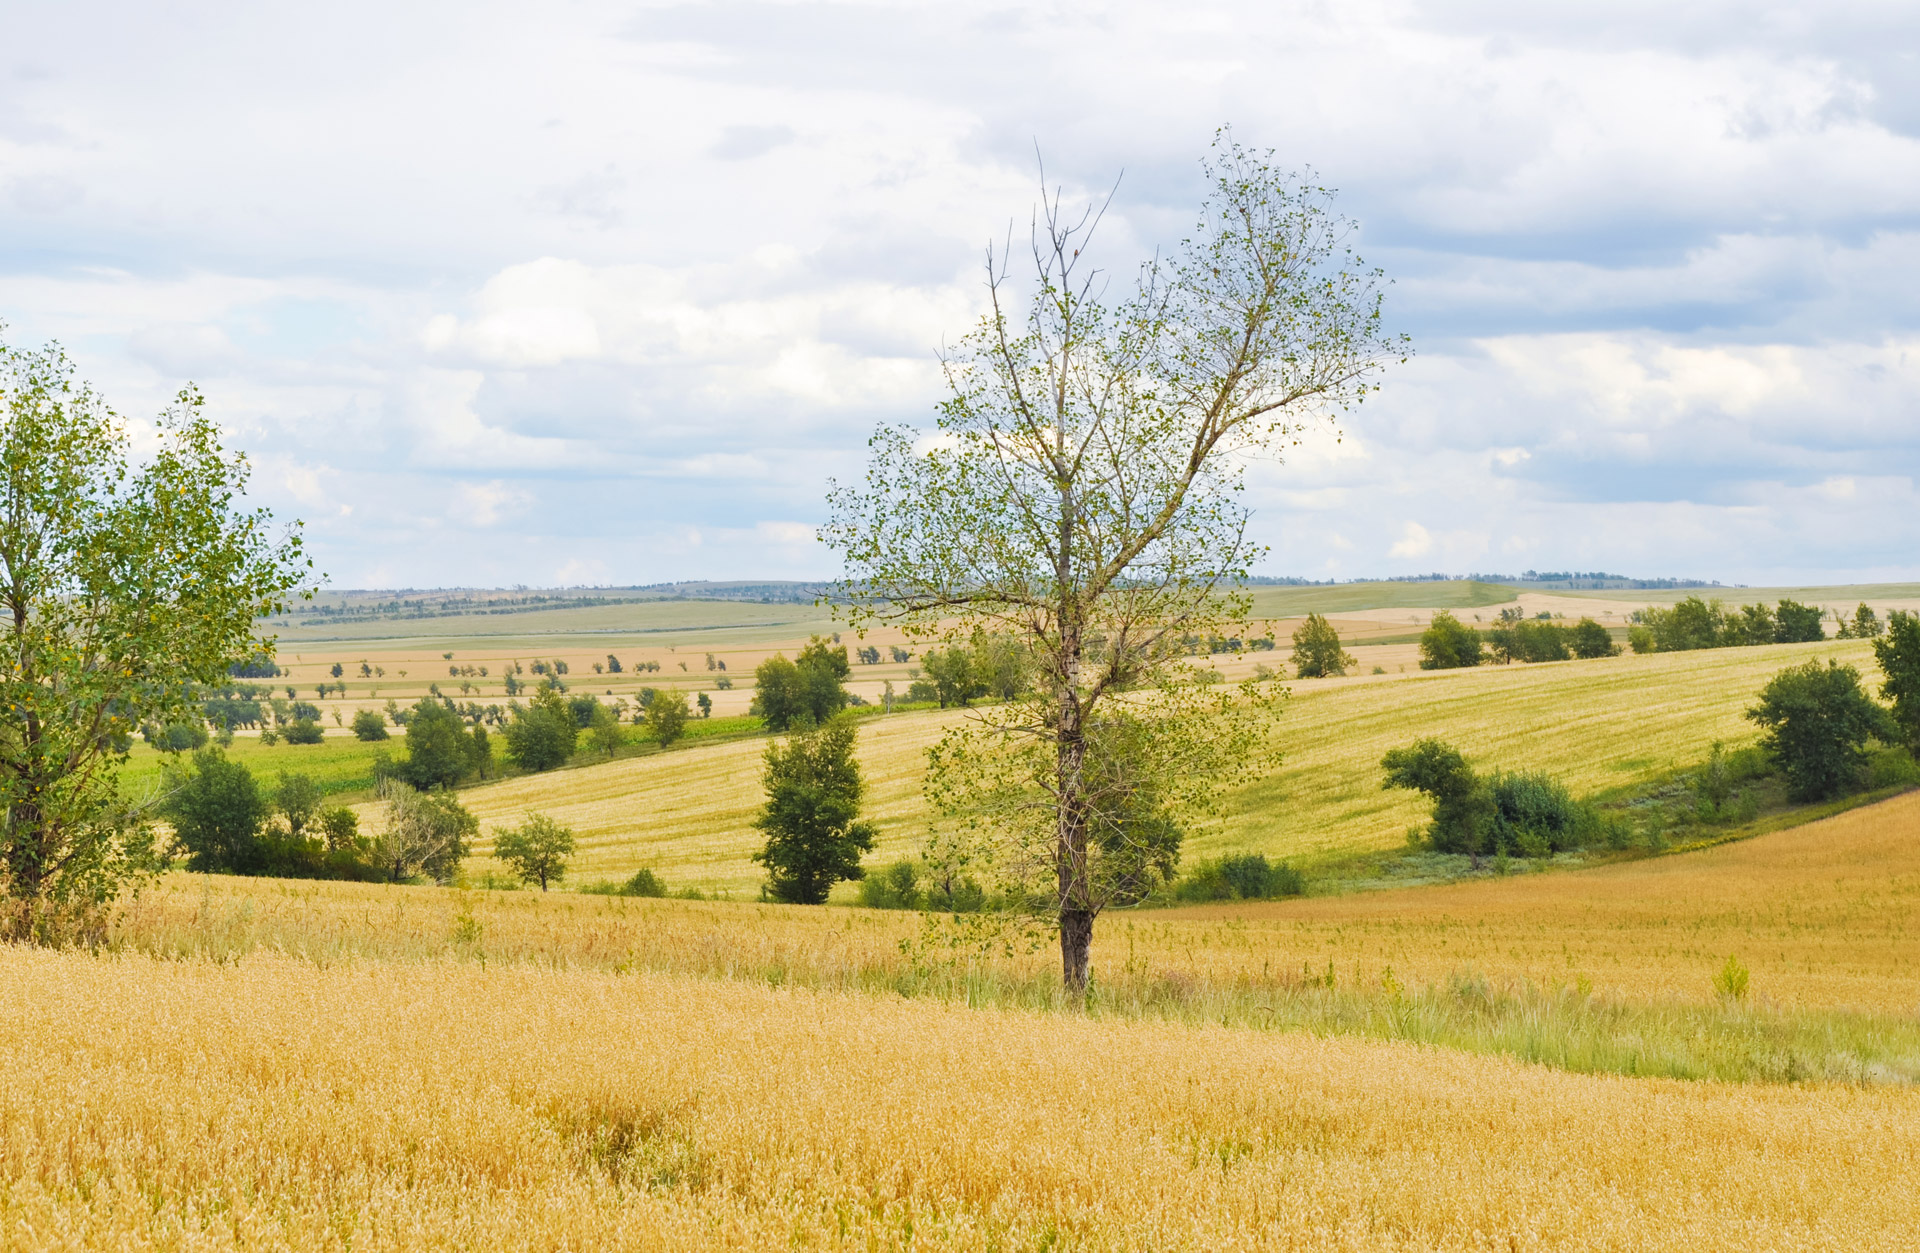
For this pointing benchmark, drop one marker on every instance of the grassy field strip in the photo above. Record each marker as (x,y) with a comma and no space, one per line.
(1596,724)
(1823,915)
(1880,595)
(278,1104)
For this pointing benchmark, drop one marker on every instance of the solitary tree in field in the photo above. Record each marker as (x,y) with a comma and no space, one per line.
(1316,650)
(122,586)
(537,850)
(811,819)
(1079,495)
(1817,720)
(667,717)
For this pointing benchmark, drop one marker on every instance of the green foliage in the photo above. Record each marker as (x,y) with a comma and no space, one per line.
(1239,877)
(1588,639)
(426,833)
(1316,649)
(298,800)
(1817,721)
(537,850)
(217,809)
(1898,653)
(950,674)
(896,887)
(303,731)
(1795,623)
(1730,981)
(807,690)
(175,737)
(1463,809)
(369,726)
(811,818)
(643,883)
(1527,640)
(667,717)
(604,731)
(125,587)
(1449,644)
(542,735)
(340,829)
(1864,625)
(1640,639)
(440,753)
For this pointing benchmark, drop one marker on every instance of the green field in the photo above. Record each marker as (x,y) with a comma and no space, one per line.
(1294,602)
(1845,594)
(1599,725)
(654,623)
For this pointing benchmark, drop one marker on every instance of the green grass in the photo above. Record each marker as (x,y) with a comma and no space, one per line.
(608,628)
(1847,594)
(339,764)
(1294,602)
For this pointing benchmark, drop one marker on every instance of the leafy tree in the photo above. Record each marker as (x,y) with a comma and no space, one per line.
(1449,644)
(706,705)
(537,850)
(425,833)
(1898,653)
(338,670)
(811,819)
(667,717)
(298,800)
(1316,650)
(1081,498)
(217,809)
(613,664)
(1523,640)
(951,672)
(1864,625)
(1588,639)
(124,586)
(810,688)
(605,732)
(439,751)
(340,829)
(369,726)
(1796,623)
(305,731)
(542,736)
(1463,808)
(1817,720)
(1690,624)
(1753,624)
(175,737)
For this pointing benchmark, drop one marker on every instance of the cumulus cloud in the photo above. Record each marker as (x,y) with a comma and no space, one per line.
(1661,263)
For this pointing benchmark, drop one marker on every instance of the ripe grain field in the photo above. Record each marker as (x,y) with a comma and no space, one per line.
(266,1065)
(1598,725)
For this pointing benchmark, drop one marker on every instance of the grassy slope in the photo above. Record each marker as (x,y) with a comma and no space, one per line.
(652,621)
(1290,602)
(1848,594)
(1598,725)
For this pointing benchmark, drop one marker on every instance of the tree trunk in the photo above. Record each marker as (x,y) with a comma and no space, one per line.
(1076,938)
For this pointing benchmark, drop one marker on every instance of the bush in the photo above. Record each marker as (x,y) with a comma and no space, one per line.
(369,726)
(643,883)
(1462,806)
(1449,644)
(304,731)
(1535,816)
(1640,639)
(1818,721)
(1529,641)
(217,809)
(175,737)
(1239,877)
(1588,639)
(1526,814)
(896,887)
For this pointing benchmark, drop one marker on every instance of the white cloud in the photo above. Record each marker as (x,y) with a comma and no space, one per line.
(486,504)
(1415,541)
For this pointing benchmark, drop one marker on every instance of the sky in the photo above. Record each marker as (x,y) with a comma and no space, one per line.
(591,293)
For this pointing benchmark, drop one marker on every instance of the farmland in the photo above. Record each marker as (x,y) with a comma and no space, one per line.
(272,1065)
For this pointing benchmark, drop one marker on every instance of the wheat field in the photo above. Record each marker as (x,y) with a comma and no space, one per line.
(1598,725)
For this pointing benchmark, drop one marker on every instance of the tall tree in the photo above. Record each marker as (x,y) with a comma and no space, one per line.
(1898,652)
(124,586)
(1316,650)
(537,850)
(1079,495)
(814,835)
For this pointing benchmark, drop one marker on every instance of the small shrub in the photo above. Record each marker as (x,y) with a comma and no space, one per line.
(304,731)
(1730,981)
(369,726)
(1239,877)
(643,883)
(896,887)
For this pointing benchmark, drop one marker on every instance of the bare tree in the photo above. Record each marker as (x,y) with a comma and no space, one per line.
(1079,494)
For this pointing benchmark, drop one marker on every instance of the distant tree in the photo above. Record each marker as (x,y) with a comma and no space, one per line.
(706,705)
(1690,624)
(369,726)
(340,829)
(951,671)
(1796,623)
(1753,624)
(1817,720)
(604,732)
(1316,650)
(298,800)
(1449,644)
(1640,639)
(542,735)
(175,737)
(304,731)
(613,664)
(1463,808)
(337,670)
(439,751)
(709,661)
(583,707)
(425,833)
(1898,653)
(1528,640)
(869,655)
(811,818)
(1588,639)
(1864,625)
(366,671)
(899,654)
(217,809)
(809,688)
(537,850)
(667,717)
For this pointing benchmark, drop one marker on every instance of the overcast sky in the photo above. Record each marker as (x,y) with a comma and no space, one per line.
(604,293)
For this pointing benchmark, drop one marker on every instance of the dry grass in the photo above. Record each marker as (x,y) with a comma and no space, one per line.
(1596,724)
(278,1104)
